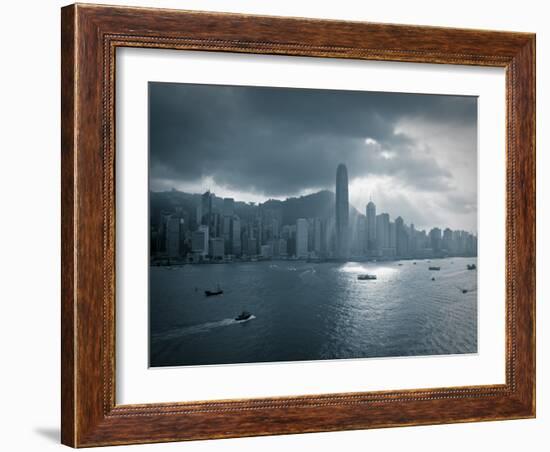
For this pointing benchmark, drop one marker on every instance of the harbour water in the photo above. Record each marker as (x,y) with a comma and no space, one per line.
(311,311)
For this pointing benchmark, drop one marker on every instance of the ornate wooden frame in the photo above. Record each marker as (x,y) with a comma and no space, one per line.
(90,35)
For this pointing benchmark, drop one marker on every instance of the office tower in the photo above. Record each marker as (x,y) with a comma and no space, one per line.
(412,240)
(173,237)
(342,212)
(226,233)
(382,231)
(317,236)
(393,237)
(252,246)
(371,226)
(228,207)
(236,236)
(217,248)
(266,251)
(199,241)
(447,241)
(401,237)
(283,247)
(205,210)
(361,235)
(301,238)
(435,239)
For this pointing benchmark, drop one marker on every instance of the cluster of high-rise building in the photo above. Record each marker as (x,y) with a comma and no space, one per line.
(213,234)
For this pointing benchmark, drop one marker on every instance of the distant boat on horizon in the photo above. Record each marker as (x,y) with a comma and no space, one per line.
(366,277)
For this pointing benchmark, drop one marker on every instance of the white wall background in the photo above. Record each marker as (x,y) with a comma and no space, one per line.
(29,225)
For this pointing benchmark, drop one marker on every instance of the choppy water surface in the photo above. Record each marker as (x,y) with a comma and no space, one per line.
(304,311)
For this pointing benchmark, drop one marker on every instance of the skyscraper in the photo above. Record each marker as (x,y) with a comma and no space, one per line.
(371,226)
(301,237)
(401,237)
(199,241)
(173,237)
(228,207)
(342,212)
(383,231)
(236,236)
(435,239)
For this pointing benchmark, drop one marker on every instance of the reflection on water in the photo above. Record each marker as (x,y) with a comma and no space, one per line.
(304,311)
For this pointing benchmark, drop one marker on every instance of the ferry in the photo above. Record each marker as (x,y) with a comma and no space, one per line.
(434,268)
(366,277)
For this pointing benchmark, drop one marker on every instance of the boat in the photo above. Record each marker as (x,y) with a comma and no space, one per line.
(434,268)
(471,266)
(245,315)
(210,293)
(366,277)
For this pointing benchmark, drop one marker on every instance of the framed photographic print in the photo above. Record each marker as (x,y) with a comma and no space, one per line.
(280,225)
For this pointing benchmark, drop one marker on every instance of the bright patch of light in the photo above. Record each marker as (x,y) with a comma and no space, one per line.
(387,155)
(370,141)
(371,269)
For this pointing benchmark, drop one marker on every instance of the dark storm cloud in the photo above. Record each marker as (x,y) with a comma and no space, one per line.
(278,142)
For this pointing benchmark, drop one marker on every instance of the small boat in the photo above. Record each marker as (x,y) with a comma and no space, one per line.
(434,268)
(210,293)
(471,266)
(366,277)
(433,279)
(464,290)
(245,315)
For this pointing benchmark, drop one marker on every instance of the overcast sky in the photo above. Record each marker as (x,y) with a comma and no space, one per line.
(415,155)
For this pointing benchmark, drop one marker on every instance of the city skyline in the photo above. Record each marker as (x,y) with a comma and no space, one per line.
(414,154)
(211,229)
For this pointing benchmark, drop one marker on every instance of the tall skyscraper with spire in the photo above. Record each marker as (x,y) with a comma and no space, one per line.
(342,212)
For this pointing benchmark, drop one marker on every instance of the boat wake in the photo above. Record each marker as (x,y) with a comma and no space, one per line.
(196,329)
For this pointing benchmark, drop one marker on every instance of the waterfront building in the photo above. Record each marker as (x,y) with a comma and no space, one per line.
(217,248)
(317,236)
(447,241)
(301,238)
(393,236)
(401,238)
(282,248)
(342,212)
(413,246)
(252,246)
(266,251)
(199,241)
(361,235)
(383,231)
(435,240)
(173,237)
(236,236)
(371,226)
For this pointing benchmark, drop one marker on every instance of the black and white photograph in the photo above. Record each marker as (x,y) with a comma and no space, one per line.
(295,224)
